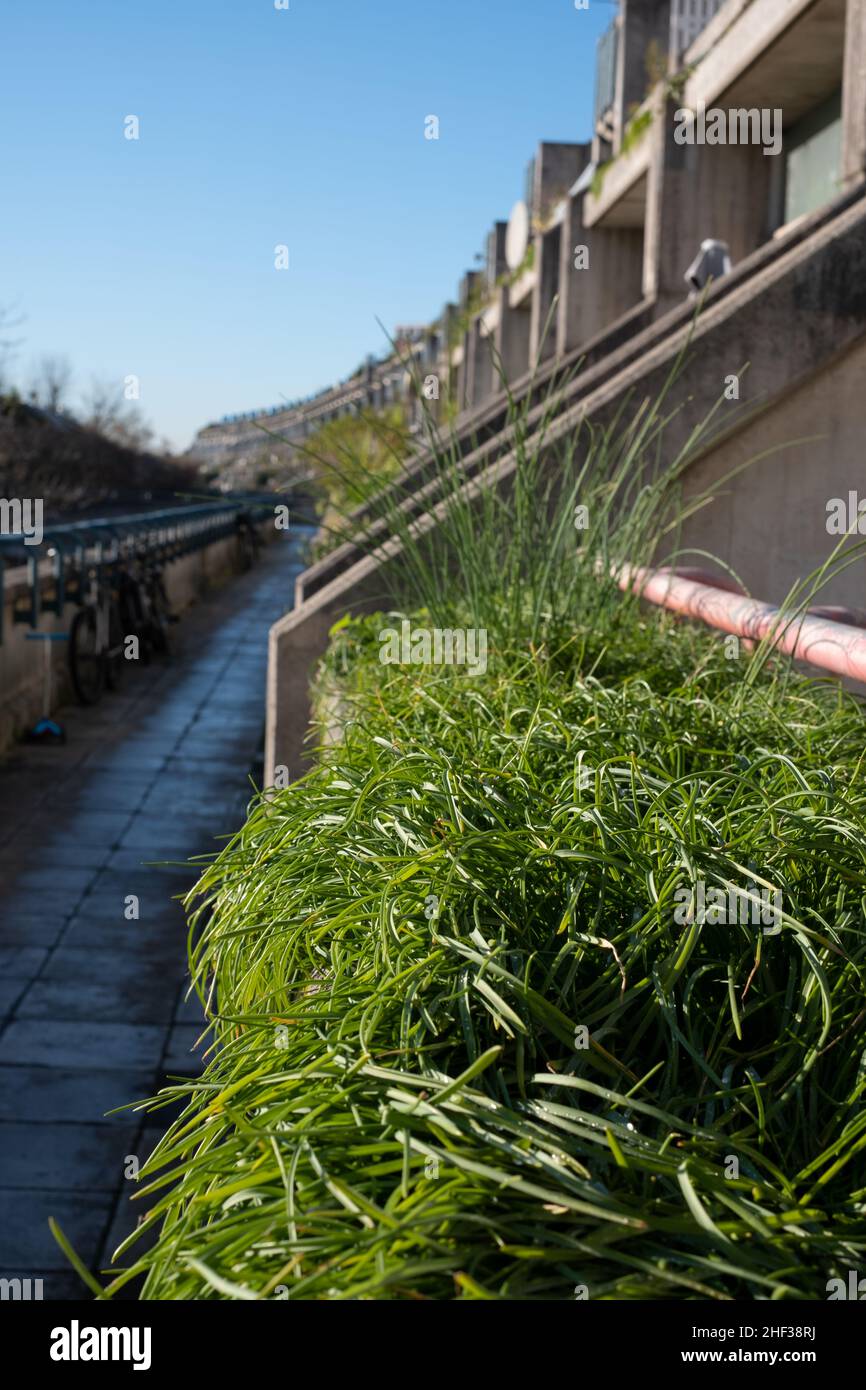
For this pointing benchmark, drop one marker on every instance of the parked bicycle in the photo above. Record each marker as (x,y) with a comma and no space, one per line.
(97,634)
(113,571)
(123,598)
(148,607)
(249,541)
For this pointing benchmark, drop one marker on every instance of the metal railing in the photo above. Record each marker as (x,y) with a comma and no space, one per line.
(54,566)
(831,639)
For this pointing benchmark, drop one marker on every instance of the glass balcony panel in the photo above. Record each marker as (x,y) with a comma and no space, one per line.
(605,71)
(688,19)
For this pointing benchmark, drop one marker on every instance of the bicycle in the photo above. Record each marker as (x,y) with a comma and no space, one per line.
(96,637)
(149,608)
(249,543)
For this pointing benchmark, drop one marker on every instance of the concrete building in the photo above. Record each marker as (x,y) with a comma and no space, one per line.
(615,223)
(239,447)
(741,123)
(610,226)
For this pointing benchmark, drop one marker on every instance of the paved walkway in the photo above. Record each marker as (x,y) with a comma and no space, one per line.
(93,1004)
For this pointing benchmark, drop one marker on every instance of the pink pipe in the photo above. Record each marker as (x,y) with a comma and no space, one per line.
(832,646)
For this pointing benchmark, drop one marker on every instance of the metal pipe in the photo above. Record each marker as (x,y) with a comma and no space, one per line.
(831,646)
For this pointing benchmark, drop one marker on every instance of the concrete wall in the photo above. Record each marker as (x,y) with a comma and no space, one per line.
(296,644)
(854,95)
(513,336)
(542,332)
(557,165)
(642,23)
(695,192)
(591,298)
(771,524)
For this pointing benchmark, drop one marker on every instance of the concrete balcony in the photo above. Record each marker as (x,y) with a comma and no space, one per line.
(779,60)
(786,53)
(617,197)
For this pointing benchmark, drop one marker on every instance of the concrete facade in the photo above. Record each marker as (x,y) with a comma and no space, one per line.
(237,446)
(697,192)
(854,96)
(780,342)
(641,202)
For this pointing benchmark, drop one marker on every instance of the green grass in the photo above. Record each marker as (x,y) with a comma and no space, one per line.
(351,459)
(462,1047)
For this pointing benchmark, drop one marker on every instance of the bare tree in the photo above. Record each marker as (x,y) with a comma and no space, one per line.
(51,381)
(9,321)
(107,412)
(100,406)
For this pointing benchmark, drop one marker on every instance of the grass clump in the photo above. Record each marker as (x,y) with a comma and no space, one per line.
(462,1045)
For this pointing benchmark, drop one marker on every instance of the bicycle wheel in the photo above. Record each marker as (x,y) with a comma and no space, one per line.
(133,606)
(247,547)
(86,660)
(159,616)
(115,660)
(130,603)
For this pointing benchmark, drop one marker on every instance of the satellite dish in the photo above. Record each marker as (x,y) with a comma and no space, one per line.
(517,235)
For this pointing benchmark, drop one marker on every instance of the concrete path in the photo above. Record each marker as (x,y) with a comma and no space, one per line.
(92,1004)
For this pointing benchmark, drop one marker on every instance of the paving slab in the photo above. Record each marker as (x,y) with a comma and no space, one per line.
(24,903)
(32,851)
(185,1051)
(161,931)
(21,962)
(10,993)
(56,1094)
(94,1046)
(64,1157)
(31,930)
(56,1286)
(116,999)
(27,1240)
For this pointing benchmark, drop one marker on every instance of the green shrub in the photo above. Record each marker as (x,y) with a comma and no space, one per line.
(353,457)
(463,1047)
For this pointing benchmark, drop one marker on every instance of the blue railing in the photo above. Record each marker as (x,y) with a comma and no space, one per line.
(72,546)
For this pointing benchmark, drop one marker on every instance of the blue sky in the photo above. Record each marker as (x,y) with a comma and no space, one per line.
(261,127)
